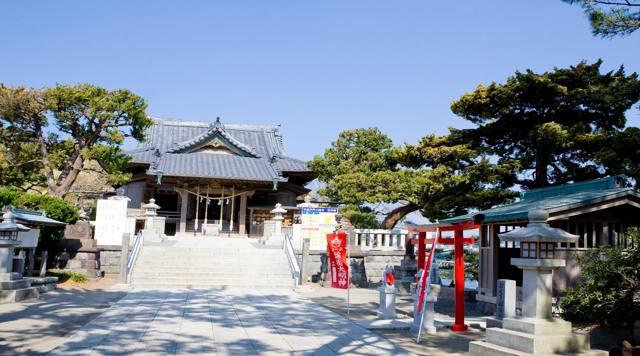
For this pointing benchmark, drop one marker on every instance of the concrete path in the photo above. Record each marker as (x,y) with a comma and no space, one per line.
(222,322)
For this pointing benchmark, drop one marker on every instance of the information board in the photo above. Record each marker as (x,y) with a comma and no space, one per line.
(111,218)
(316,224)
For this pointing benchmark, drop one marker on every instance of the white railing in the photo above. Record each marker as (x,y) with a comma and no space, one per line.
(378,239)
(137,245)
(293,260)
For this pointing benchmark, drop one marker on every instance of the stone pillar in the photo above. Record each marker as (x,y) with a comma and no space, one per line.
(505,303)
(387,302)
(242,216)
(428,324)
(277,237)
(183,209)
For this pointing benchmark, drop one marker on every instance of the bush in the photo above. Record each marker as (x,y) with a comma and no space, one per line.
(609,291)
(64,276)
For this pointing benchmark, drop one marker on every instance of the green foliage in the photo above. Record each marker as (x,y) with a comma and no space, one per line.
(361,167)
(64,276)
(55,208)
(360,217)
(471,264)
(610,290)
(610,18)
(460,178)
(549,129)
(90,124)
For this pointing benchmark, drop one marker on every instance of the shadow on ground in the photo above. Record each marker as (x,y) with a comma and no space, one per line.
(35,327)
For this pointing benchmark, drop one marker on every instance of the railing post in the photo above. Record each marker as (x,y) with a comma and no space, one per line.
(124,258)
(386,236)
(304,274)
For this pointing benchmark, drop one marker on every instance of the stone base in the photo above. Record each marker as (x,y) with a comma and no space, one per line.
(537,326)
(15,289)
(18,295)
(481,348)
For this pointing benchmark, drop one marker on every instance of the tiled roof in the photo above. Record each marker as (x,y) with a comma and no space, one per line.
(554,199)
(34,218)
(169,142)
(216,166)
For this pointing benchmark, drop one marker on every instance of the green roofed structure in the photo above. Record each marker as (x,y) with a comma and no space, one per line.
(599,211)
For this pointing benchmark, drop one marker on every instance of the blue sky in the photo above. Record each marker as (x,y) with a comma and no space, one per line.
(315,67)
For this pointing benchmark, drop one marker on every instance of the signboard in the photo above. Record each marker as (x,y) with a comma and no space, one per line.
(337,246)
(111,217)
(316,224)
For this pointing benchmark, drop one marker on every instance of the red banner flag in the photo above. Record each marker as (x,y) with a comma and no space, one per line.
(337,247)
(425,274)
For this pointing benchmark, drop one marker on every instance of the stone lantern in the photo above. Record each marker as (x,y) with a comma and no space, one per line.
(150,212)
(8,240)
(151,233)
(277,237)
(536,331)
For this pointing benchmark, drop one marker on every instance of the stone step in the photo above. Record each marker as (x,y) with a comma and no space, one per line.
(209,250)
(232,274)
(213,263)
(208,269)
(285,286)
(15,284)
(210,281)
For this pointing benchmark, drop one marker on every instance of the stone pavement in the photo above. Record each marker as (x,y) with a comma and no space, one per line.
(222,322)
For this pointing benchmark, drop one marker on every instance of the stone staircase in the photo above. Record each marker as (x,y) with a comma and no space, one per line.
(165,267)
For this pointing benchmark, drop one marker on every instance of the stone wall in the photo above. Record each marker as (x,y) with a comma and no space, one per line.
(366,267)
(84,260)
(84,256)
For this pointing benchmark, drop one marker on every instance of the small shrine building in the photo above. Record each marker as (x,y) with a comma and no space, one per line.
(214,173)
(599,211)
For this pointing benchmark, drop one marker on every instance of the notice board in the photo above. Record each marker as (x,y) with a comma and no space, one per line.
(111,218)
(316,224)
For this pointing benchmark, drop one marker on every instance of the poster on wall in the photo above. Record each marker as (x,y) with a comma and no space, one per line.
(316,224)
(111,218)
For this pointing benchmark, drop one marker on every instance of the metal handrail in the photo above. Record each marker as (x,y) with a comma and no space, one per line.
(137,245)
(293,260)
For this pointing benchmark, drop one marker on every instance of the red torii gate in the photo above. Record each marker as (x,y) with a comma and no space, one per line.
(457,241)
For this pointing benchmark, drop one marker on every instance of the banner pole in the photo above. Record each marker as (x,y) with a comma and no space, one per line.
(348,270)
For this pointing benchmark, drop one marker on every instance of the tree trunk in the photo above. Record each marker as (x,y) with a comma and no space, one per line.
(542,168)
(66,179)
(396,214)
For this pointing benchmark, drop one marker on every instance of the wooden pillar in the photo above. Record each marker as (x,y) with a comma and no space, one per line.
(422,249)
(459,282)
(242,216)
(492,258)
(183,209)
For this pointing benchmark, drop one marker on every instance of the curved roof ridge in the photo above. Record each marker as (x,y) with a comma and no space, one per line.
(212,131)
(180,122)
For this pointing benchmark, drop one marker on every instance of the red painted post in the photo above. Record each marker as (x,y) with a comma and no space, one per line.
(459,281)
(422,249)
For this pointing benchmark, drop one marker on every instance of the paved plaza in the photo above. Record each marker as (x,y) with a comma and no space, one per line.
(222,322)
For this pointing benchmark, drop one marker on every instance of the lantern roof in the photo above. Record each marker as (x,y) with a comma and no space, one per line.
(278,209)
(538,230)
(9,223)
(152,205)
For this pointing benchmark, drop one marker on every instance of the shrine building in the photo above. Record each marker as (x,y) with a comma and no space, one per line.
(214,174)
